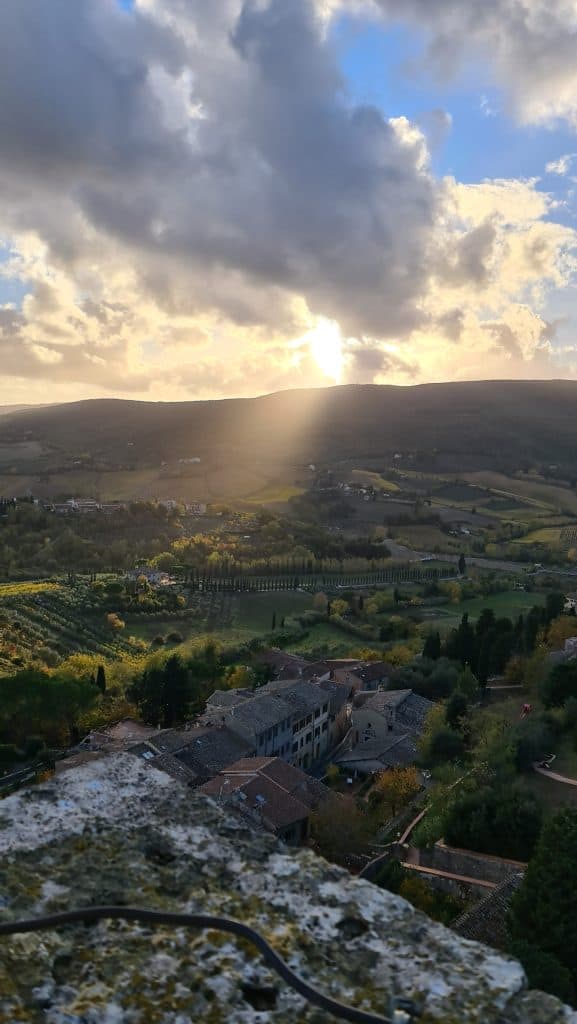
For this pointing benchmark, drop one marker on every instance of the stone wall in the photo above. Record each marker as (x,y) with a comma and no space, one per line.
(118,832)
(465,862)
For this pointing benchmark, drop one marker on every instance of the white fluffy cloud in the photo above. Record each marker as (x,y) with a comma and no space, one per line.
(191,197)
(529,46)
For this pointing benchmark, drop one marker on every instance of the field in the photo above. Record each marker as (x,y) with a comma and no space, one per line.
(509,604)
(254,612)
(537,493)
(365,478)
(27,589)
(545,535)
(275,494)
(427,537)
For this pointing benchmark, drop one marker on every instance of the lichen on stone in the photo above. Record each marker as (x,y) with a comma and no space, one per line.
(115,831)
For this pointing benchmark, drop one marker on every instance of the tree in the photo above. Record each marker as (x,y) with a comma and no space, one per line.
(101,679)
(544,910)
(544,971)
(462,565)
(560,629)
(339,829)
(176,692)
(554,605)
(114,622)
(503,821)
(561,684)
(432,647)
(468,684)
(339,607)
(397,786)
(462,645)
(456,710)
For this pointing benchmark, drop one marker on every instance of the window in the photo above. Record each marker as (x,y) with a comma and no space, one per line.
(318,713)
(325,708)
(317,731)
(295,747)
(325,726)
(302,741)
(295,728)
(309,720)
(309,737)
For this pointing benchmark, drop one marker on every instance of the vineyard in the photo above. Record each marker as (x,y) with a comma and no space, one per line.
(45,622)
(569,536)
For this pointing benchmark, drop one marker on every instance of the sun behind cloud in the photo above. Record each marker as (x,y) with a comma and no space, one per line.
(326,346)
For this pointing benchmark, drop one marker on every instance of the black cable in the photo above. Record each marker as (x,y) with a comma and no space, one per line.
(225,924)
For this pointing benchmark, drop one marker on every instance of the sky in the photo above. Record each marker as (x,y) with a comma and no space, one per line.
(213,198)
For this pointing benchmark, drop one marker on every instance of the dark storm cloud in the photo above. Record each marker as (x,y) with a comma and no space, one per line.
(278,179)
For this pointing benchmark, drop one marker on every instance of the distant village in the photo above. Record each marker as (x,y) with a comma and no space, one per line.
(93,507)
(263,753)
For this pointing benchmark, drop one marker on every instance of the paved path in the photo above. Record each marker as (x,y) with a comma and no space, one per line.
(554,775)
(437,873)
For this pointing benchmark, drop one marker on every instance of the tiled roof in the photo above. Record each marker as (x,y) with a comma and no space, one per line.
(487,920)
(384,699)
(212,749)
(275,791)
(338,693)
(412,713)
(395,749)
(228,698)
(373,671)
(411,710)
(176,769)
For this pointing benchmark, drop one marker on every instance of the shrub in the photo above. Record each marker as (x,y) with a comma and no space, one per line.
(175,638)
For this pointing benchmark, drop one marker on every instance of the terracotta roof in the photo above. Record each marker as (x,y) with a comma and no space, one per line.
(274,791)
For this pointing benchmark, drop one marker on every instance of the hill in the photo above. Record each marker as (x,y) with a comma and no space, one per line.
(238,446)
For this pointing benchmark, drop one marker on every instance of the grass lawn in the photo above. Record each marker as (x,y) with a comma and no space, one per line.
(339,644)
(510,604)
(255,611)
(546,535)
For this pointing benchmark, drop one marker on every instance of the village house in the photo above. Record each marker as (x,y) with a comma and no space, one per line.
(385,727)
(376,715)
(270,794)
(367,675)
(194,755)
(282,665)
(294,720)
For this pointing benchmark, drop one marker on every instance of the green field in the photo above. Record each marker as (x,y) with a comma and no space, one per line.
(546,535)
(254,611)
(27,589)
(338,644)
(509,604)
(365,478)
(534,491)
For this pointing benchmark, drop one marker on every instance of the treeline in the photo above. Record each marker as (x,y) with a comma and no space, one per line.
(489,646)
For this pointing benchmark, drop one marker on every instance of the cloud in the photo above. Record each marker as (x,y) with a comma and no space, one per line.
(527,46)
(189,190)
(561,166)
